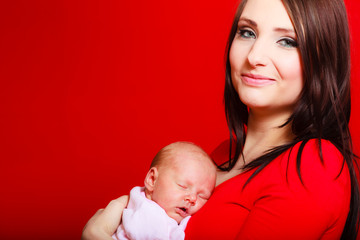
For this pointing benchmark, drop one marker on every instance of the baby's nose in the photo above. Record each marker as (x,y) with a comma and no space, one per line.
(191,198)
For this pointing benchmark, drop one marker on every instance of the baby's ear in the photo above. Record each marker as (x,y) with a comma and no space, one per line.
(151,178)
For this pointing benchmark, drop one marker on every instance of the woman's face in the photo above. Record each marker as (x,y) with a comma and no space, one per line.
(265,61)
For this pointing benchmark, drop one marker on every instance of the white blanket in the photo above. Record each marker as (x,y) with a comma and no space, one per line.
(144,219)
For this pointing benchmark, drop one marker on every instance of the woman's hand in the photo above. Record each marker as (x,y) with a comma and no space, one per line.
(104,223)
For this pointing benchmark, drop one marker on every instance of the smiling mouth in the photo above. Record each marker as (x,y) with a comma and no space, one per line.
(256,80)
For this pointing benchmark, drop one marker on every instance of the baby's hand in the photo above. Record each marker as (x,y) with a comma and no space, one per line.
(105,221)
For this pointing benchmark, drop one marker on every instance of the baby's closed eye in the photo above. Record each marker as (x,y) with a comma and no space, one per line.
(204,196)
(183,186)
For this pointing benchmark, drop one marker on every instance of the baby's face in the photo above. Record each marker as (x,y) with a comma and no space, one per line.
(184,187)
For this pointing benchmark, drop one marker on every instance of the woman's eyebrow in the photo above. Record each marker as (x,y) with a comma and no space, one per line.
(284,30)
(249,21)
(277,29)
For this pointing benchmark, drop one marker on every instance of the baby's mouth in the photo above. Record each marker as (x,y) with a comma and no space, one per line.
(182,211)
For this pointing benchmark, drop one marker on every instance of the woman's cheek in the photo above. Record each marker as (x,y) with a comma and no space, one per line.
(290,67)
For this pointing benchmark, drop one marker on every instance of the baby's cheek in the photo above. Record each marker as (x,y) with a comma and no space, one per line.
(200,204)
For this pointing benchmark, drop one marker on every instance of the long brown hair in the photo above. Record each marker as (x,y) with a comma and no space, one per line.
(323,110)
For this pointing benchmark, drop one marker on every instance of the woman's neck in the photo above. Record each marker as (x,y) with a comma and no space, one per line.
(264,133)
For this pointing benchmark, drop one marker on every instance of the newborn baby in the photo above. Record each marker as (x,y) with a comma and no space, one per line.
(180,181)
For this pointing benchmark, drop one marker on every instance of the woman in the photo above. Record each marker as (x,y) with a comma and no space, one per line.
(287,102)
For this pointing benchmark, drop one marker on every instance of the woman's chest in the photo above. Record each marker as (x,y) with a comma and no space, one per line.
(225,212)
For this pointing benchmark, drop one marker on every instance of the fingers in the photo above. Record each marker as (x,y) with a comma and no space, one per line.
(103,224)
(117,204)
(113,212)
(90,230)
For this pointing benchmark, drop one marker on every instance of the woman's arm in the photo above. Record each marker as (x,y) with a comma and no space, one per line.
(104,223)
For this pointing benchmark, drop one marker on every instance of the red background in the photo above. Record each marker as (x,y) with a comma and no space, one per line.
(91,90)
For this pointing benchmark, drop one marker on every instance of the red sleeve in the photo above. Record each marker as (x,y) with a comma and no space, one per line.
(291,210)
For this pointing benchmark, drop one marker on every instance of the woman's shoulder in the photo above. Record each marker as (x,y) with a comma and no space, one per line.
(316,145)
(322,150)
(317,165)
(220,154)
(308,161)
(317,173)
(317,154)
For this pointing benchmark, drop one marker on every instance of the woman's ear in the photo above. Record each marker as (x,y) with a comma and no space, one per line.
(151,178)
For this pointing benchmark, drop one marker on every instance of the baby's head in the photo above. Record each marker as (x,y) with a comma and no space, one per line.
(181,179)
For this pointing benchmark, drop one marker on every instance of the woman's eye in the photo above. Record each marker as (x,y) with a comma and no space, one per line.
(246,33)
(288,43)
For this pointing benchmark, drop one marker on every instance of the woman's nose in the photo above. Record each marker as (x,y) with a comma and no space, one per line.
(258,54)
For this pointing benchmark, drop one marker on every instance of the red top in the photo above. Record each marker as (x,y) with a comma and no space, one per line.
(275,204)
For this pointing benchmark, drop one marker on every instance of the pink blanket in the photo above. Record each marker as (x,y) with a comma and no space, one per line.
(145,219)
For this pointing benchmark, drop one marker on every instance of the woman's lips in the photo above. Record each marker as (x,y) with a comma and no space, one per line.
(256,80)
